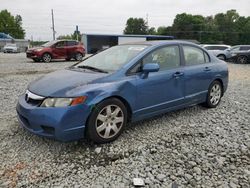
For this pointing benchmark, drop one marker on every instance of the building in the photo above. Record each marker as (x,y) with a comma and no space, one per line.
(96,42)
(22,44)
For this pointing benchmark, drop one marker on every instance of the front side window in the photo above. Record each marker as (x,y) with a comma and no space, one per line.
(193,55)
(60,44)
(234,49)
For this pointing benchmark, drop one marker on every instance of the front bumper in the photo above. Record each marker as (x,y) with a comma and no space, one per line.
(33,54)
(62,123)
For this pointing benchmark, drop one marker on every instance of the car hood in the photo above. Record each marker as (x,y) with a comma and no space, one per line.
(36,48)
(57,84)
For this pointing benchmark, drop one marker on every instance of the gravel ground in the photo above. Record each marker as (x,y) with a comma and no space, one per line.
(194,147)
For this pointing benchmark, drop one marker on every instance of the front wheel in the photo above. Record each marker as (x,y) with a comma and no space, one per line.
(242,60)
(107,121)
(46,57)
(214,94)
(78,56)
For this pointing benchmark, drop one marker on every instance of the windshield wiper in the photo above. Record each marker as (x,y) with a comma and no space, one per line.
(92,68)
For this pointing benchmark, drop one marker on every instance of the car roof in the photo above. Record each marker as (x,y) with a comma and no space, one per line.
(224,45)
(241,46)
(160,42)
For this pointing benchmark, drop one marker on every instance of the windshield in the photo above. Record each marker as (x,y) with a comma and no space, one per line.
(48,44)
(113,58)
(11,45)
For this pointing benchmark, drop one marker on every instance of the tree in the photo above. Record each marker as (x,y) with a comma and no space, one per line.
(151,31)
(136,26)
(162,30)
(11,25)
(187,26)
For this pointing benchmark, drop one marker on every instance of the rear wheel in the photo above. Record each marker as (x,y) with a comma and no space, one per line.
(46,57)
(107,121)
(242,60)
(78,56)
(214,94)
(67,59)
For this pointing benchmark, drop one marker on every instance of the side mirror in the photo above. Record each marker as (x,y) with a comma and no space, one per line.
(150,67)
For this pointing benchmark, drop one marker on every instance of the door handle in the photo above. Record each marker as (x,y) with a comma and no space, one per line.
(178,74)
(207,69)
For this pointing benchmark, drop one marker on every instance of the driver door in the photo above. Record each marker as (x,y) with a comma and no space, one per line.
(163,89)
(59,50)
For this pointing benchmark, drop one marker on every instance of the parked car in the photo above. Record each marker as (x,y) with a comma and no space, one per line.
(10,48)
(240,54)
(219,50)
(4,36)
(98,96)
(58,49)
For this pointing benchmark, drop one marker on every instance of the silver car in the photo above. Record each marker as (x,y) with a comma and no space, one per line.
(10,48)
(219,50)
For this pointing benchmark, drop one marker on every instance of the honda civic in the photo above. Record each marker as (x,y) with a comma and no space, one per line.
(97,97)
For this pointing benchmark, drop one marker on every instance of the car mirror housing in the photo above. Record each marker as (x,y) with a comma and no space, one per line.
(151,67)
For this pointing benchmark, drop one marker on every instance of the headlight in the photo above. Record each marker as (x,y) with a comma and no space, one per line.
(38,50)
(62,102)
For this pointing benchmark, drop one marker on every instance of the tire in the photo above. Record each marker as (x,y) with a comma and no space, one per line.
(221,57)
(102,126)
(36,60)
(46,57)
(67,59)
(242,60)
(214,94)
(78,56)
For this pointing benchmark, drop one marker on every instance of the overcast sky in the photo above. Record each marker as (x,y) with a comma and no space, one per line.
(108,16)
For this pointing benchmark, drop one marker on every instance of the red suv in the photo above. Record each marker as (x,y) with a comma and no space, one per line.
(58,49)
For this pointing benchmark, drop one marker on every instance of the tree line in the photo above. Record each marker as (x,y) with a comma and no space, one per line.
(228,28)
(11,25)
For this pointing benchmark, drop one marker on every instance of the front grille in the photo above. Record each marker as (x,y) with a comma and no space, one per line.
(33,99)
(34,102)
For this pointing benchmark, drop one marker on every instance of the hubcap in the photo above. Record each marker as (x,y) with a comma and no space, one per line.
(242,60)
(78,57)
(109,121)
(215,94)
(46,57)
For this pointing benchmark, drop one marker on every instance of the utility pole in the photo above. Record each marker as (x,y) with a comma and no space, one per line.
(53,25)
(147,19)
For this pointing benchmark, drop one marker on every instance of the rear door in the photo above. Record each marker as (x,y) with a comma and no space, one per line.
(71,48)
(197,73)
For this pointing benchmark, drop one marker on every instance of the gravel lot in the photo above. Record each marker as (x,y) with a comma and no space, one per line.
(194,147)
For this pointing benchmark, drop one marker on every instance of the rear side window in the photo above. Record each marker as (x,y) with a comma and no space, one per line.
(245,48)
(71,43)
(194,56)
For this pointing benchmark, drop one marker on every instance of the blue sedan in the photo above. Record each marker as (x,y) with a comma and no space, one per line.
(97,97)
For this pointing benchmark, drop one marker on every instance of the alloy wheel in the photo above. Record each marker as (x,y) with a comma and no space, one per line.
(109,121)
(242,60)
(79,56)
(215,94)
(46,58)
